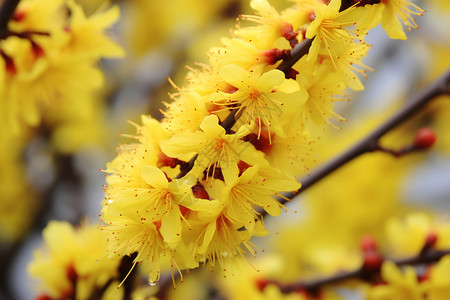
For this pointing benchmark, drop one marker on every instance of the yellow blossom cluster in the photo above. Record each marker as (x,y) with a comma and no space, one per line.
(49,55)
(49,77)
(190,189)
(72,263)
(417,237)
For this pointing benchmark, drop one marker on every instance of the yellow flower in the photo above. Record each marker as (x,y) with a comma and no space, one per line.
(328,31)
(236,51)
(38,15)
(150,134)
(293,154)
(70,255)
(395,11)
(407,237)
(322,87)
(144,209)
(400,285)
(215,148)
(87,37)
(185,113)
(391,13)
(254,187)
(346,64)
(204,79)
(301,13)
(438,284)
(218,238)
(270,29)
(154,199)
(264,98)
(130,233)
(66,56)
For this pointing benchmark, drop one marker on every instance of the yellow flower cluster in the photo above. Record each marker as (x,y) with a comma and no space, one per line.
(48,77)
(191,188)
(72,264)
(409,236)
(49,56)
(406,238)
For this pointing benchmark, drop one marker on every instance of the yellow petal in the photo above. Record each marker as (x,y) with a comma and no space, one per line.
(391,24)
(171,227)
(313,51)
(230,174)
(288,86)
(235,75)
(269,80)
(207,237)
(210,125)
(154,177)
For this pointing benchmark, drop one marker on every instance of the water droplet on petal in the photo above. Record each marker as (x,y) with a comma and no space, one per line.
(152,283)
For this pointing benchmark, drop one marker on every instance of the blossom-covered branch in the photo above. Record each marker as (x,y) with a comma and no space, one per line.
(371,267)
(186,191)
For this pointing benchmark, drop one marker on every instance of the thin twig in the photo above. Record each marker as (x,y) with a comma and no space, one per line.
(370,142)
(362,273)
(297,52)
(7,9)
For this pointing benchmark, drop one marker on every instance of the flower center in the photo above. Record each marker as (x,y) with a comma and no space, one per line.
(253,95)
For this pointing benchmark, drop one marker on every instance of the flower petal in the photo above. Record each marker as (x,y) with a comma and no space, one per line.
(235,75)
(288,86)
(391,24)
(269,80)
(210,125)
(171,227)
(207,237)
(154,177)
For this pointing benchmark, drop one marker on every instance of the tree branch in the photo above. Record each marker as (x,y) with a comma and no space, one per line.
(297,52)
(362,273)
(370,143)
(7,9)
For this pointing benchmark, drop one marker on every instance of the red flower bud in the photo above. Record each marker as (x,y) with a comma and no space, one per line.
(425,138)
(368,243)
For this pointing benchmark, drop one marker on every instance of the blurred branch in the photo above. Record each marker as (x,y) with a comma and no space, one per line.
(297,52)
(7,9)
(371,142)
(363,272)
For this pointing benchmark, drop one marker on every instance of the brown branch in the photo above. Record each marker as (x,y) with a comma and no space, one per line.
(361,273)
(370,143)
(7,9)
(297,52)
(22,35)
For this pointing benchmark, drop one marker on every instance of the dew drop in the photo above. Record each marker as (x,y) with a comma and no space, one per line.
(152,283)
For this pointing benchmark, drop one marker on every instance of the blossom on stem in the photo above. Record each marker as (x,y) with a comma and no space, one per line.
(328,30)
(263,98)
(73,261)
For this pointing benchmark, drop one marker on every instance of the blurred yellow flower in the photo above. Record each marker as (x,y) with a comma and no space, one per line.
(72,261)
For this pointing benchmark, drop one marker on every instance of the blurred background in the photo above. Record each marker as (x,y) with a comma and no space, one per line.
(56,175)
